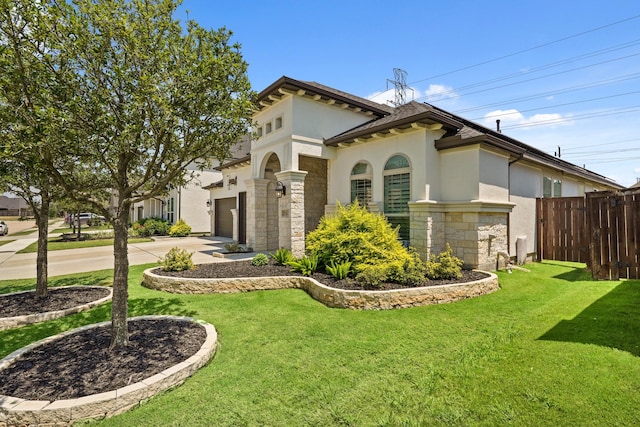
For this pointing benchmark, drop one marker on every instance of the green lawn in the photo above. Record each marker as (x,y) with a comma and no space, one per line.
(551,348)
(55,244)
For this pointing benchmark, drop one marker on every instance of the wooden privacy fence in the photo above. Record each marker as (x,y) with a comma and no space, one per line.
(601,229)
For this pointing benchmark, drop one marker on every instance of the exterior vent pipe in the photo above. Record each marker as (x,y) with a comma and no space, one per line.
(498,126)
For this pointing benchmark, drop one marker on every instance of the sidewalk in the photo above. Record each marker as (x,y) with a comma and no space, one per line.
(23,266)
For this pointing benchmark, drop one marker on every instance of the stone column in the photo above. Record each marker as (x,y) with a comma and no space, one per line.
(234,216)
(257,213)
(427,226)
(291,212)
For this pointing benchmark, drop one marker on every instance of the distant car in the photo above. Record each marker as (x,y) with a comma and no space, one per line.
(4,228)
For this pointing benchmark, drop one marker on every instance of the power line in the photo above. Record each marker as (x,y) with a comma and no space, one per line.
(561,105)
(554,92)
(529,49)
(561,120)
(545,76)
(542,67)
(600,144)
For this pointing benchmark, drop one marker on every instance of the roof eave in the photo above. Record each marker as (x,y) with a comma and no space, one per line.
(428,118)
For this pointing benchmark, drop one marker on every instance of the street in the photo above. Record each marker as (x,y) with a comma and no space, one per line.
(23,266)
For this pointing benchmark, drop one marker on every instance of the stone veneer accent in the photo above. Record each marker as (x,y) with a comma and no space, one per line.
(476,231)
(14,322)
(20,412)
(331,297)
(291,212)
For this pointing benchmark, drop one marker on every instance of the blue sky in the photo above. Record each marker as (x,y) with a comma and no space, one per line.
(556,73)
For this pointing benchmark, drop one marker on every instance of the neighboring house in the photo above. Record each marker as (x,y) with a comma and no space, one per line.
(188,202)
(439,177)
(13,206)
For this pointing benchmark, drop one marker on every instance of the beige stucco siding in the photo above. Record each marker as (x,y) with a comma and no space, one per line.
(417,146)
(317,120)
(460,171)
(493,177)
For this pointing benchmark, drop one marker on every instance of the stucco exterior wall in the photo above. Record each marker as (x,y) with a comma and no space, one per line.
(191,201)
(460,174)
(493,182)
(417,146)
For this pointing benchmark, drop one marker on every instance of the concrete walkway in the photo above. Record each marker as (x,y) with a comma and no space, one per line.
(23,266)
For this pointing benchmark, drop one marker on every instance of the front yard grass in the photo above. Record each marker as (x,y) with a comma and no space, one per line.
(551,348)
(55,244)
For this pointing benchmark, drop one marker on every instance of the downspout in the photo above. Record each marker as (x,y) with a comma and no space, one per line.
(517,159)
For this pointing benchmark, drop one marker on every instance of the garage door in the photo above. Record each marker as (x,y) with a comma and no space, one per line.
(224,219)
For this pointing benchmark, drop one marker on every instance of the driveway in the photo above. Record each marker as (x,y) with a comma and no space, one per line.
(23,266)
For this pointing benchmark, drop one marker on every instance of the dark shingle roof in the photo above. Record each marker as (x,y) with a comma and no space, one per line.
(284,84)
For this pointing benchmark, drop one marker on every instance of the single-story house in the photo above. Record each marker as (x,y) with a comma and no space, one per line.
(437,176)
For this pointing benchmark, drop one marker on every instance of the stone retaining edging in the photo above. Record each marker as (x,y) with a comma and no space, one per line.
(17,412)
(331,297)
(16,321)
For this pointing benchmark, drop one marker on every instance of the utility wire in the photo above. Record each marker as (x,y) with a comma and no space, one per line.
(561,120)
(529,49)
(600,144)
(553,92)
(540,68)
(558,105)
(542,77)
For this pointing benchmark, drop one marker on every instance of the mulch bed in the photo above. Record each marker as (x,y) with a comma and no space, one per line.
(81,364)
(246,269)
(24,303)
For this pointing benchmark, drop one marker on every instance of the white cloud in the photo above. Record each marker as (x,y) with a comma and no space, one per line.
(515,119)
(439,93)
(387,97)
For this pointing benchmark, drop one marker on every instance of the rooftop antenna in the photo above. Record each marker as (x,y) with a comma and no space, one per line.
(400,84)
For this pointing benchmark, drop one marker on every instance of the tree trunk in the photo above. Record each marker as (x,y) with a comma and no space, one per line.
(42,221)
(119,307)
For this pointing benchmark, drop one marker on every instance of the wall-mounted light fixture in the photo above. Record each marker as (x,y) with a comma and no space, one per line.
(281,190)
(208,203)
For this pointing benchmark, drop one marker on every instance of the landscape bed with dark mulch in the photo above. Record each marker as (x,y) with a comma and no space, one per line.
(81,364)
(24,303)
(220,270)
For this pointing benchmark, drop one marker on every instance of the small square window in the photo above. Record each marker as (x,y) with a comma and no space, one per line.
(267,128)
(259,131)
(278,122)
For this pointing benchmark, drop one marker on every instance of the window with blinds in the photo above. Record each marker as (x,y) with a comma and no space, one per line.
(397,193)
(361,184)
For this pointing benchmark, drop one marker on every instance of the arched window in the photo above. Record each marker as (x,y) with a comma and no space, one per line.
(361,183)
(397,193)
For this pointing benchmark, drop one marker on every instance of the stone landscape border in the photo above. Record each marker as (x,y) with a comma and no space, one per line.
(17,412)
(16,321)
(331,297)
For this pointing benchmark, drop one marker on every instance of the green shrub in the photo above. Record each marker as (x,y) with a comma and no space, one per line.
(153,226)
(360,237)
(282,256)
(444,266)
(177,260)
(339,271)
(260,259)
(372,276)
(307,265)
(233,247)
(180,229)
